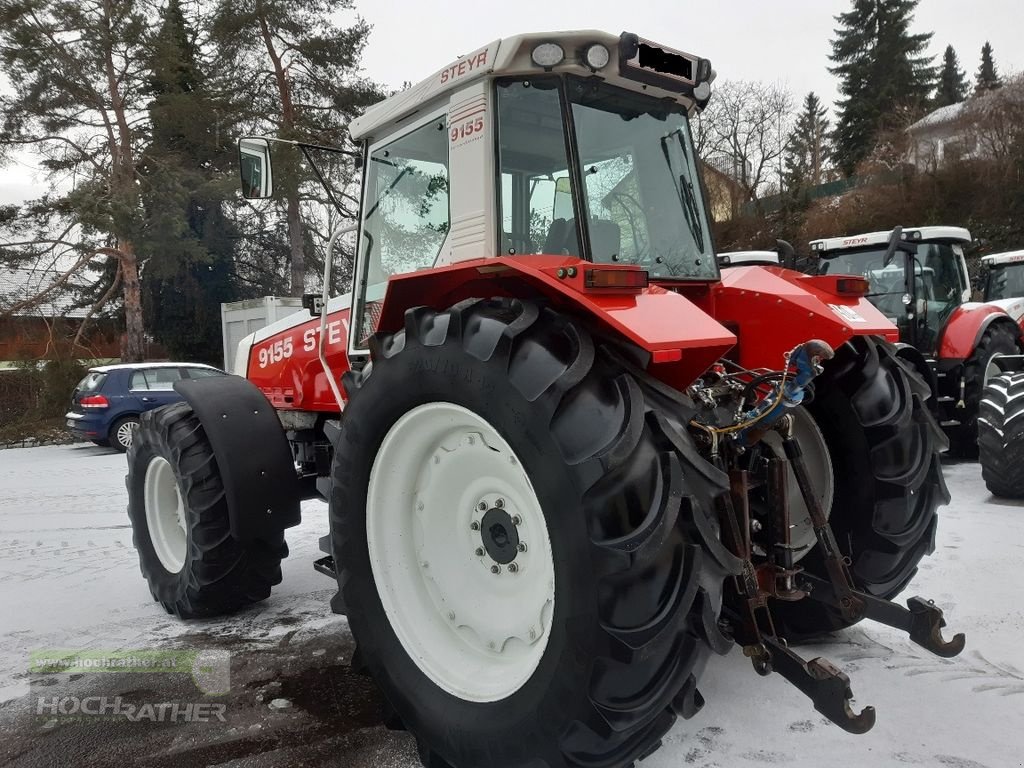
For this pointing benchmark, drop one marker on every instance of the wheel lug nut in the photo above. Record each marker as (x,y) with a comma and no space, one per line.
(482,506)
(479,551)
(516,520)
(499,503)
(512,568)
(522,546)
(474,526)
(495,569)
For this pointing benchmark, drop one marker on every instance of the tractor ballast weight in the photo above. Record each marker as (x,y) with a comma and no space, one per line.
(566,458)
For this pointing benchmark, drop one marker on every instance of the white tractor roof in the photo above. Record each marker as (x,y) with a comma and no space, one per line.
(930,234)
(1008,257)
(507,56)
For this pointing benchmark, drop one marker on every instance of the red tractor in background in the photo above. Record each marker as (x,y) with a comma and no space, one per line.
(566,457)
(919,280)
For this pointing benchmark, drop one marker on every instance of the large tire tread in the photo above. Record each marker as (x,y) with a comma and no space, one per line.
(221,574)
(648,507)
(1001,435)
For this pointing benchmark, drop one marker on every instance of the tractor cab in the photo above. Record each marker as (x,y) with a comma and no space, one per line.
(1005,276)
(917,287)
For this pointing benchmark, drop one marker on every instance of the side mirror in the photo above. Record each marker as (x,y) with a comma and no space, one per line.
(787,254)
(254,164)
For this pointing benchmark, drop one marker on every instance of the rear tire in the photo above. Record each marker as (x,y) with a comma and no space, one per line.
(884,445)
(998,339)
(1001,435)
(628,508)
(194,569)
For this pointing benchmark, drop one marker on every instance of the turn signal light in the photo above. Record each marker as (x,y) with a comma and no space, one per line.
(615,278)
(853,286)
(94,401)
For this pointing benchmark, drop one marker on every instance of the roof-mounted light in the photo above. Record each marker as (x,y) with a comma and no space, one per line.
(548,55)
(597,56)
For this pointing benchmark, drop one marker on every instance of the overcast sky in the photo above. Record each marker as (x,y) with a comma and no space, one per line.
(785,40)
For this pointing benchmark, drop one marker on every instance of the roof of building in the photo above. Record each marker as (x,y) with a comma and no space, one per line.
(1007,257)
(915,234)
(18,284)
(941,116)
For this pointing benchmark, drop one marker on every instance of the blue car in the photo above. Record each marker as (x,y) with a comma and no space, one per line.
(107,403)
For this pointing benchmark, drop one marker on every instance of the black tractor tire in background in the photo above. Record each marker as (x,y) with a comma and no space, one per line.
(630,512)
(1001,435)
(884,445)
(117,439)
(998,339)
(220,574)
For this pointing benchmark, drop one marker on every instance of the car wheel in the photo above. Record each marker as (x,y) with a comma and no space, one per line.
(121,432)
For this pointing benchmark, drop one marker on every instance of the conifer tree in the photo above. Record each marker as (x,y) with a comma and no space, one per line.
(987,77)
(952,87)
(882,69)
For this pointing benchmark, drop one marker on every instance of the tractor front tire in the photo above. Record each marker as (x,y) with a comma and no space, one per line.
(998,339)
(884,445)
(526,539)
(180,526)
(1001,435)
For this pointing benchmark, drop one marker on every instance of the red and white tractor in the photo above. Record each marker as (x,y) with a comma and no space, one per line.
(1001,415)
(566,457)
(923,286)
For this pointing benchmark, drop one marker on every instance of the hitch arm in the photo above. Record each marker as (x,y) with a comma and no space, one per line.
(921,619)
(824,684)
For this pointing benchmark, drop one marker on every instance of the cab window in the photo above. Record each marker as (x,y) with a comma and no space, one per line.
(407,214)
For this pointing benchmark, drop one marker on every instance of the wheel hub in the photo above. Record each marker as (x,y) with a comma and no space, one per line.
(500,537)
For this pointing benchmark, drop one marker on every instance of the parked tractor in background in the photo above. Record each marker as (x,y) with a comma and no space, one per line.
(919,280)
(567,459)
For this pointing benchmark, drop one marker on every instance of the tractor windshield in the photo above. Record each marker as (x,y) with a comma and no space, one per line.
(632,168)
(920,307)
(1005,282)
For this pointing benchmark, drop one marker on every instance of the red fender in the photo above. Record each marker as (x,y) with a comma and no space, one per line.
(773,309)
(682,339)
(965,327)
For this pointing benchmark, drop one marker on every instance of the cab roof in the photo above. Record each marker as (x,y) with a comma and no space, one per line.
(1007,257)
(917,234)
(512,56)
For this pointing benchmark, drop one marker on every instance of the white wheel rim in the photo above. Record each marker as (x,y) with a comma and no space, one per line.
(477,634)
(165,514)
(992,369)
(819,467)
(125,432)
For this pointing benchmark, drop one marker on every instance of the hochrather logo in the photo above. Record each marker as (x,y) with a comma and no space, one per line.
(114,707)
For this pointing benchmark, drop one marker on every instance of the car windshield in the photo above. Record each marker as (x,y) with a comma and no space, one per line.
(640,197)
(1005,282)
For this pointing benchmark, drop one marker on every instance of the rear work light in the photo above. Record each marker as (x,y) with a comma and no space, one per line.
(615,278)
(853,286)
(94,401)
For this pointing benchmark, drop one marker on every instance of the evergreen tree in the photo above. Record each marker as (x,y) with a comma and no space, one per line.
(75,76)
(882,70)
(301,71)
(809,150)
(987,77)
(952,81)
(187,171)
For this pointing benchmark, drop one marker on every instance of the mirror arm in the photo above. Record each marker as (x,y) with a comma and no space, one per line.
(322,344)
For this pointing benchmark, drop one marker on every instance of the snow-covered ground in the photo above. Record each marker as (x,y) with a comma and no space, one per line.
(69,579)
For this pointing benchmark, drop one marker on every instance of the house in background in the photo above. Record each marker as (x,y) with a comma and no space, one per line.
(725,194)
(47,330)
(982,128)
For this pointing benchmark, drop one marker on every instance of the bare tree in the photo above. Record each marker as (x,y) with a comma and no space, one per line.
(743,134)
